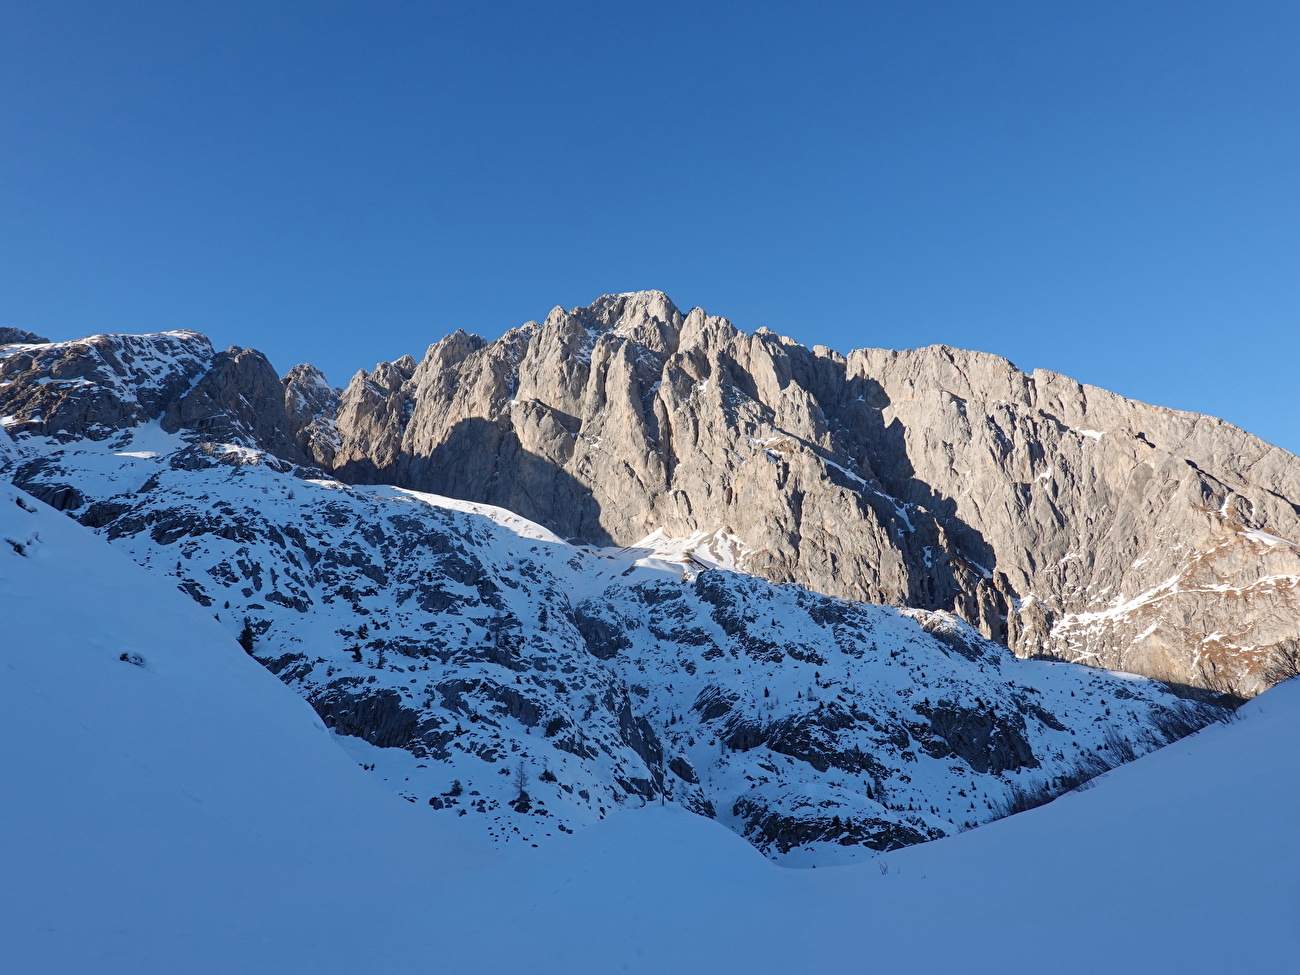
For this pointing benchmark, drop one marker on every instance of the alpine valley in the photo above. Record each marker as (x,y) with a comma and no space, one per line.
(623,559)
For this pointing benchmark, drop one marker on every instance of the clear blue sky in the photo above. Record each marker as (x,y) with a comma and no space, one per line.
(1107,189)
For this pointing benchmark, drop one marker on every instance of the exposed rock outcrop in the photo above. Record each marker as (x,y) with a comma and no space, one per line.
(16,336)
(1059,518)
(240,399)
(312,404)
(96,386)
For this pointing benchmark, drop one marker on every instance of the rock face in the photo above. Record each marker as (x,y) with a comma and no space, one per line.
(240,400)
(490,669)
(312,404)
(1059,518)
(96,386)
(99,387)
(16,336)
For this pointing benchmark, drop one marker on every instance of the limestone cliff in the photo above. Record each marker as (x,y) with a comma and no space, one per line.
(1062,519)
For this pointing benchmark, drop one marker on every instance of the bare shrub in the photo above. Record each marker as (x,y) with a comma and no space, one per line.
(1021,798)
(1031,795)
(1167,724)
(1119,749)
(1172,723)
(1283,664)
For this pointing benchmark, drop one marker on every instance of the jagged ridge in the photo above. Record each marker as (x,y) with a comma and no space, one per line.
(935,478)
(453,643)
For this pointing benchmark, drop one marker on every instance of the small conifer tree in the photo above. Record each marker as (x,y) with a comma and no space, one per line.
(246,638)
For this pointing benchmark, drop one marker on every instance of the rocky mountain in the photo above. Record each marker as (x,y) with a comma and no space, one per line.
(172,810)
(1060,519)
(486,667)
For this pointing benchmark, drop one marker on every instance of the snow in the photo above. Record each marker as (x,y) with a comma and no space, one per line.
(659,551)
(1181,862)
(245,455)
(900,508)
(190,815)
(9,451)
(1071,625)
(168,816)
(310,561)
(1264,538)
(1121,607)
(501,516)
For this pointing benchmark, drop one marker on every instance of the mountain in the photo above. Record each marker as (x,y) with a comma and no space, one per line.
(1060,519)
(180,811)
(484,666)
(487,668)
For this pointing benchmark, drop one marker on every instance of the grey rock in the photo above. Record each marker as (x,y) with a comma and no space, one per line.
(16,336)
(378,717)
(312,404)
(39,477)
(94,387)
(772,830)
(239,400)
(984,739)
(1061,519)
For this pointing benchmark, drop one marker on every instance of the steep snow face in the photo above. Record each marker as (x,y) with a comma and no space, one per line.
(717,549)
(500,677)
(9,451)
(1132,875)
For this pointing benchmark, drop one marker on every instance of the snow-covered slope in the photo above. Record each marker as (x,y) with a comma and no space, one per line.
(155,778)
(502,678)
(1185,861)
(91,387)
(188,815)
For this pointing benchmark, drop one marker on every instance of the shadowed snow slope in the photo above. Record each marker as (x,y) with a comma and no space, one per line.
(189,814)
(178,803)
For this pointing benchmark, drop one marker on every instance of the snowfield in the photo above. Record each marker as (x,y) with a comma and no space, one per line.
(172,807)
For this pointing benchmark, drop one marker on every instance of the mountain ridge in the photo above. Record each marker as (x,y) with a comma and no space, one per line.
(533,398)
(1028,504)
(483,666)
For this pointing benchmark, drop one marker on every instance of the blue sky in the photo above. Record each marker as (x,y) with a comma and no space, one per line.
(1110,190)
